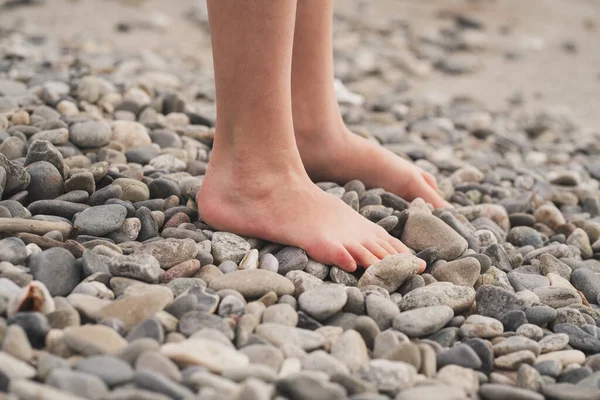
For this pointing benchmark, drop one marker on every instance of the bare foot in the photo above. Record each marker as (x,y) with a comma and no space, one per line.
(276,201)
(338,155)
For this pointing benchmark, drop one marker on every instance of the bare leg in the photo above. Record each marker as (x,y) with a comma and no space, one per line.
(256,184)
(328,149)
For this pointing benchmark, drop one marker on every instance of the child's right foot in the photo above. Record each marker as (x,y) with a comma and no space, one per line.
(275,200)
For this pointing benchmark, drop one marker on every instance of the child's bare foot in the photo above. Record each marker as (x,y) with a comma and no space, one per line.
(275,200)
(338,155)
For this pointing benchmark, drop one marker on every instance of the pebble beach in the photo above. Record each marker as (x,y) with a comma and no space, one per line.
(112,287)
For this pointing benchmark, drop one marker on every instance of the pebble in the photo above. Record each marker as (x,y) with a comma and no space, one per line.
(92,340)
(481,327)
(462,355)
(494,302)
(493,391)
(214,356)
(463,272)
(388,377)
(56,269)
(423,321)
(78,383)
(323,301)
(422,231)
(228,246)
(279,334)
(459,298)
(111,370)
(291,259)
(391,272)
(253,283)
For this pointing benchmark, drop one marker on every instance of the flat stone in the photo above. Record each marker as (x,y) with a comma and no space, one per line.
(388,377)
(516,343)
(170,252)
(557,297)
(101,220)
(228,246)
(291,259)
(459,298)
(56,269)
(215,356)
(481,327)
(494,391)
(78,383)
(391,272)
(302,385)
(460,354)
(458,376)
(554,342)
(323,301)
(134,309)
(422,231)
(92,340)
(423,321)
(14,368)
(110,370)
(279,334)
(566,391)
(464,271)
(437,391)
(494,302)
(253,283)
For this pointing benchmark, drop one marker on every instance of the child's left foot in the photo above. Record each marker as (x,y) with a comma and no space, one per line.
(338,155)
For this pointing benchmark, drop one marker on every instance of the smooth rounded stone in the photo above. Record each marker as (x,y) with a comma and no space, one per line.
(93,340)
(194,321)
(422,231)
(540,315)
(136,308)
(551,368)
(494,302)
(305,385)
(587,282)
(438,391)
(391,272)
(228,266)
(530,331)
(291,259)
(494,391)
(83,180)
(463,271)
(156,382)
(351,349)
(57,208)
(320,360)
(382,310)
(143,267)
(279,334)
(525,236)
(101,220)
(268,262)
(180,285)
(56,269)
(13,250)
(130,134)
(516,343)
(567,391)
(554,342)
(522,282)
(580,239)
(557,297)
(459,298)
(283,314)
(46,181)
(215,356)
(185,269)
(567,315)
(388,377)
(575,375)
(481,327)
(150,327)
(132,190)
(566,357)
(228,246)
(13,368)
(133,350)
(483,349)
(356,302)
(367,328)
(578,338)
(423,321)
(461,355)
(267,355)
(549,215)
(170,252)
(15,343)
(323,301)
(253,283)
(550,264)
(159,363)
(231,306)
(342,277)
(303,281)
(529,378)
(30,390)
(161,188)
(512,361)
(111,370)
(207,299)
(78,383)
(512,320)
(132,393)
(458,376)
(149,226)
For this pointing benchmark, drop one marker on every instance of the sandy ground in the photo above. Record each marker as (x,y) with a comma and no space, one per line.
(545,74)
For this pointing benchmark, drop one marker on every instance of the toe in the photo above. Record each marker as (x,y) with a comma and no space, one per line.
(341,258)
(361,255)
(376,249)
(387,246)
(395,243)
(430,179)
(431,195)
